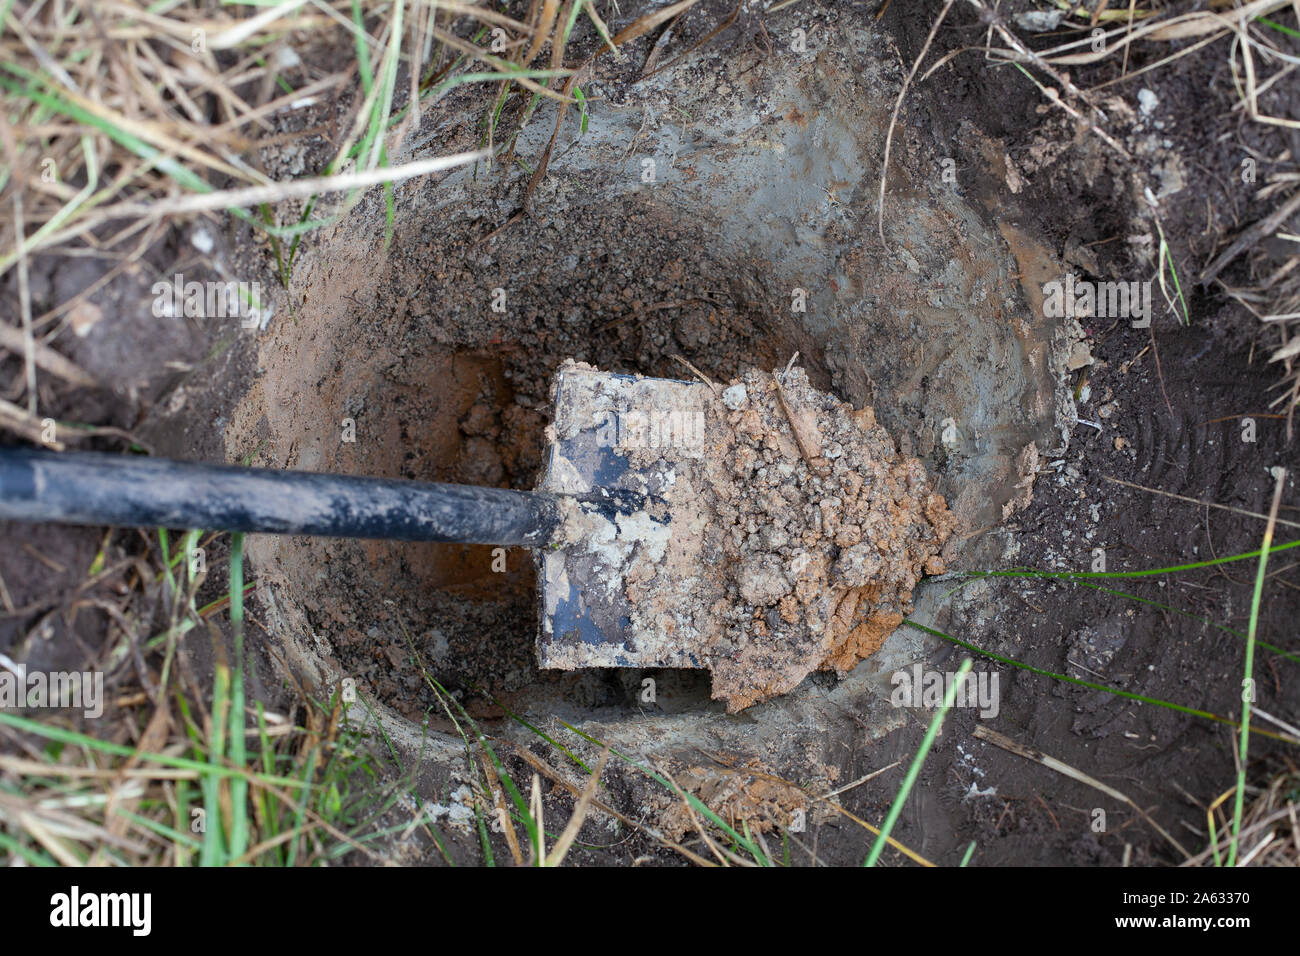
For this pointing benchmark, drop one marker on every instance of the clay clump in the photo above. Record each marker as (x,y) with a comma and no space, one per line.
(821,528)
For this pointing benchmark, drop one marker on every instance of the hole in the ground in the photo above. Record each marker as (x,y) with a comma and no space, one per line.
(458,346)
(440,346)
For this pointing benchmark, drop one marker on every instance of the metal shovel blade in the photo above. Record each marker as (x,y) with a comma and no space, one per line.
(631,450)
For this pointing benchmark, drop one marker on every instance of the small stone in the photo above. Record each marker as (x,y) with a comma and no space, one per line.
(1080,355)
(857,565)
(85,314)
(762,582)
(735,397)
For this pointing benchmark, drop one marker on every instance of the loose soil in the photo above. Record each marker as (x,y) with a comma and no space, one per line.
(773,529)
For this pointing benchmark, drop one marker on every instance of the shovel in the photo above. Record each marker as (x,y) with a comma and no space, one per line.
(595,517)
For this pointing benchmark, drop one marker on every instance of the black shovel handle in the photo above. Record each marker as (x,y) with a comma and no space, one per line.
(131,491)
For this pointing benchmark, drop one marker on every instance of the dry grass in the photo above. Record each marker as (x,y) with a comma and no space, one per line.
(1262,55)
(1270,826)
(175,773)
(120,118)
(111,109)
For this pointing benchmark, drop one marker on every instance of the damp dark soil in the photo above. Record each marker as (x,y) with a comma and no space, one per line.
(1184,408)
(1158,646)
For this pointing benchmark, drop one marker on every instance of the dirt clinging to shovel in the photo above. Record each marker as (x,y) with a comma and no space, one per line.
(824,530)
(799,533)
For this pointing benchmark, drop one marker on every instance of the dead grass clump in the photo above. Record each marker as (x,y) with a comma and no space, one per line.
(1270,826)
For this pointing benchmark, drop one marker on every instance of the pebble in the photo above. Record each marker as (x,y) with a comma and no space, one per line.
(762,583)
(735,397)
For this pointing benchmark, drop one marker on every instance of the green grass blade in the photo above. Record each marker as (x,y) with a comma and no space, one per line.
(170,833)
(1248,679)
(27,853)
(1149,572)
(1280,28)
(696,803)
(213,852)
(61,735)
(914,770)
(1065,678)
(540,733)
(239,833)
(483,837)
